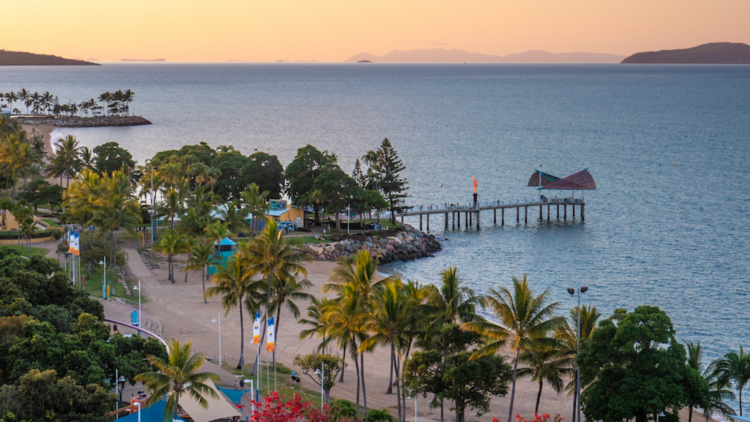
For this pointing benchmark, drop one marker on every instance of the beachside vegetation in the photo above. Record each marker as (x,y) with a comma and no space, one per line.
(113,103)
(56,353)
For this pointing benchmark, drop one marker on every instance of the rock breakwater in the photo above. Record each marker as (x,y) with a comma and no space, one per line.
(406,245)
(73,121)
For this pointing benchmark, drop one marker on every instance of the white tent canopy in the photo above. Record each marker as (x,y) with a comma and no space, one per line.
(217,408)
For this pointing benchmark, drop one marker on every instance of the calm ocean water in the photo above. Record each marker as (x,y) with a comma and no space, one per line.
(669,147)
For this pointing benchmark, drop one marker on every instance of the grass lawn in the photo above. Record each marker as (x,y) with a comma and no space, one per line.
(94,284)
(284,383)
(302,240)
(27,251)
(51,222)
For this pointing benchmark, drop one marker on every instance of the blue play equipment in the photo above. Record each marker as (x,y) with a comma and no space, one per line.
(224,250)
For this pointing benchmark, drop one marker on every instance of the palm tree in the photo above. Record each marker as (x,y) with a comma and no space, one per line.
(176,376)
(192,224)
(389,322)
(17,156)
(271,255)
(255,202)
(343,320)
(285,289)
(11,97)
(233,280)
(171,205)
(719,392)
(67,158)
(525,319)
(546,363)
(451,303)
(568,334)
(358,272)
(316,321)
(23,95)
(217,231)
(87,159)
(234,216)
(734,367)
(170,243)
(202,254)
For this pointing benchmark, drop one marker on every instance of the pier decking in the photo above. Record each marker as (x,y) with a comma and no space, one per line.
(452,213)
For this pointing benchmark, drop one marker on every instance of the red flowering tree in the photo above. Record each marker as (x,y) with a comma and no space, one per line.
(274,409)
(537,418)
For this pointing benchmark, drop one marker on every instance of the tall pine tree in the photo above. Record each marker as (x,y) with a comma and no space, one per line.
(386,168)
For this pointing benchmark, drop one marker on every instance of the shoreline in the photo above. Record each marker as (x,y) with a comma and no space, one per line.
(46,132)
(74,121)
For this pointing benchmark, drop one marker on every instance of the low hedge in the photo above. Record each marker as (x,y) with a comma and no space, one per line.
(38,235)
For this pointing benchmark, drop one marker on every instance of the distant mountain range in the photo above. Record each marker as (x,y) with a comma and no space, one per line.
(142,60)
(442,55)
(18,58)
(712,53)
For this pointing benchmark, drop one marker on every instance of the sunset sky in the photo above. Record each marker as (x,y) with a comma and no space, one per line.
(334,30)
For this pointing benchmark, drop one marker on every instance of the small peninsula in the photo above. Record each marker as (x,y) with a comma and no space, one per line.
(711,53)
(18,58)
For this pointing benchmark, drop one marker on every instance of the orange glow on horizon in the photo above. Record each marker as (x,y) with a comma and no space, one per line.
(334,30)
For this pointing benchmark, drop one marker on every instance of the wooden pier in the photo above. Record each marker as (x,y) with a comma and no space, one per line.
(452,214)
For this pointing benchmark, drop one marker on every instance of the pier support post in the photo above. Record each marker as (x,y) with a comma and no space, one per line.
(446,221)
(541,216)
(565,211)
(548,210)
(526,214)
(495,219)
(502,213)
(558,211)
(518,214)
(583,216)
(458,215)
(469,219)
(574,211)
(428,223)
(478,225)
(420,222)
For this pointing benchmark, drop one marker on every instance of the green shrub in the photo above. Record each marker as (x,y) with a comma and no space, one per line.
(374,415)
(38,235)
(342,409)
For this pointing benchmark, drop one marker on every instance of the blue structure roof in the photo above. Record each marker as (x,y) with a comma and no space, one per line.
(226,241)
(154,413)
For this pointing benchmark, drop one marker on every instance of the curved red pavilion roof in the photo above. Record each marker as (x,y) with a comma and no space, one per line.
(578,181)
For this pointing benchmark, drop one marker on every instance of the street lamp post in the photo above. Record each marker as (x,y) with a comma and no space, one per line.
(153,225)
(581,290)
(139,410)
(140,325)
(104,278)
(219,321)
(322,374)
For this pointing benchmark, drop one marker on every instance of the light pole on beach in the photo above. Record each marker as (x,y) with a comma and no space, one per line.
(219,321)
(578,344)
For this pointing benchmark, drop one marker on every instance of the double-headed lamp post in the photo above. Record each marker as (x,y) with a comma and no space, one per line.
(578,292)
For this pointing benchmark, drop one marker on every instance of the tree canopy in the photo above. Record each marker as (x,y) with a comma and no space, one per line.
(635,368)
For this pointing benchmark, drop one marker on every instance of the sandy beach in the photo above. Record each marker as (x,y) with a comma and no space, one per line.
(180,309)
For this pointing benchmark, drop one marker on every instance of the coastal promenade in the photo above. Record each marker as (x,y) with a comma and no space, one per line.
(472,217)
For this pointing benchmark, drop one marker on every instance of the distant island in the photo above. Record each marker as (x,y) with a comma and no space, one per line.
(364,61)
(711,53)
(18,58)
(142,60)
(442,55)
